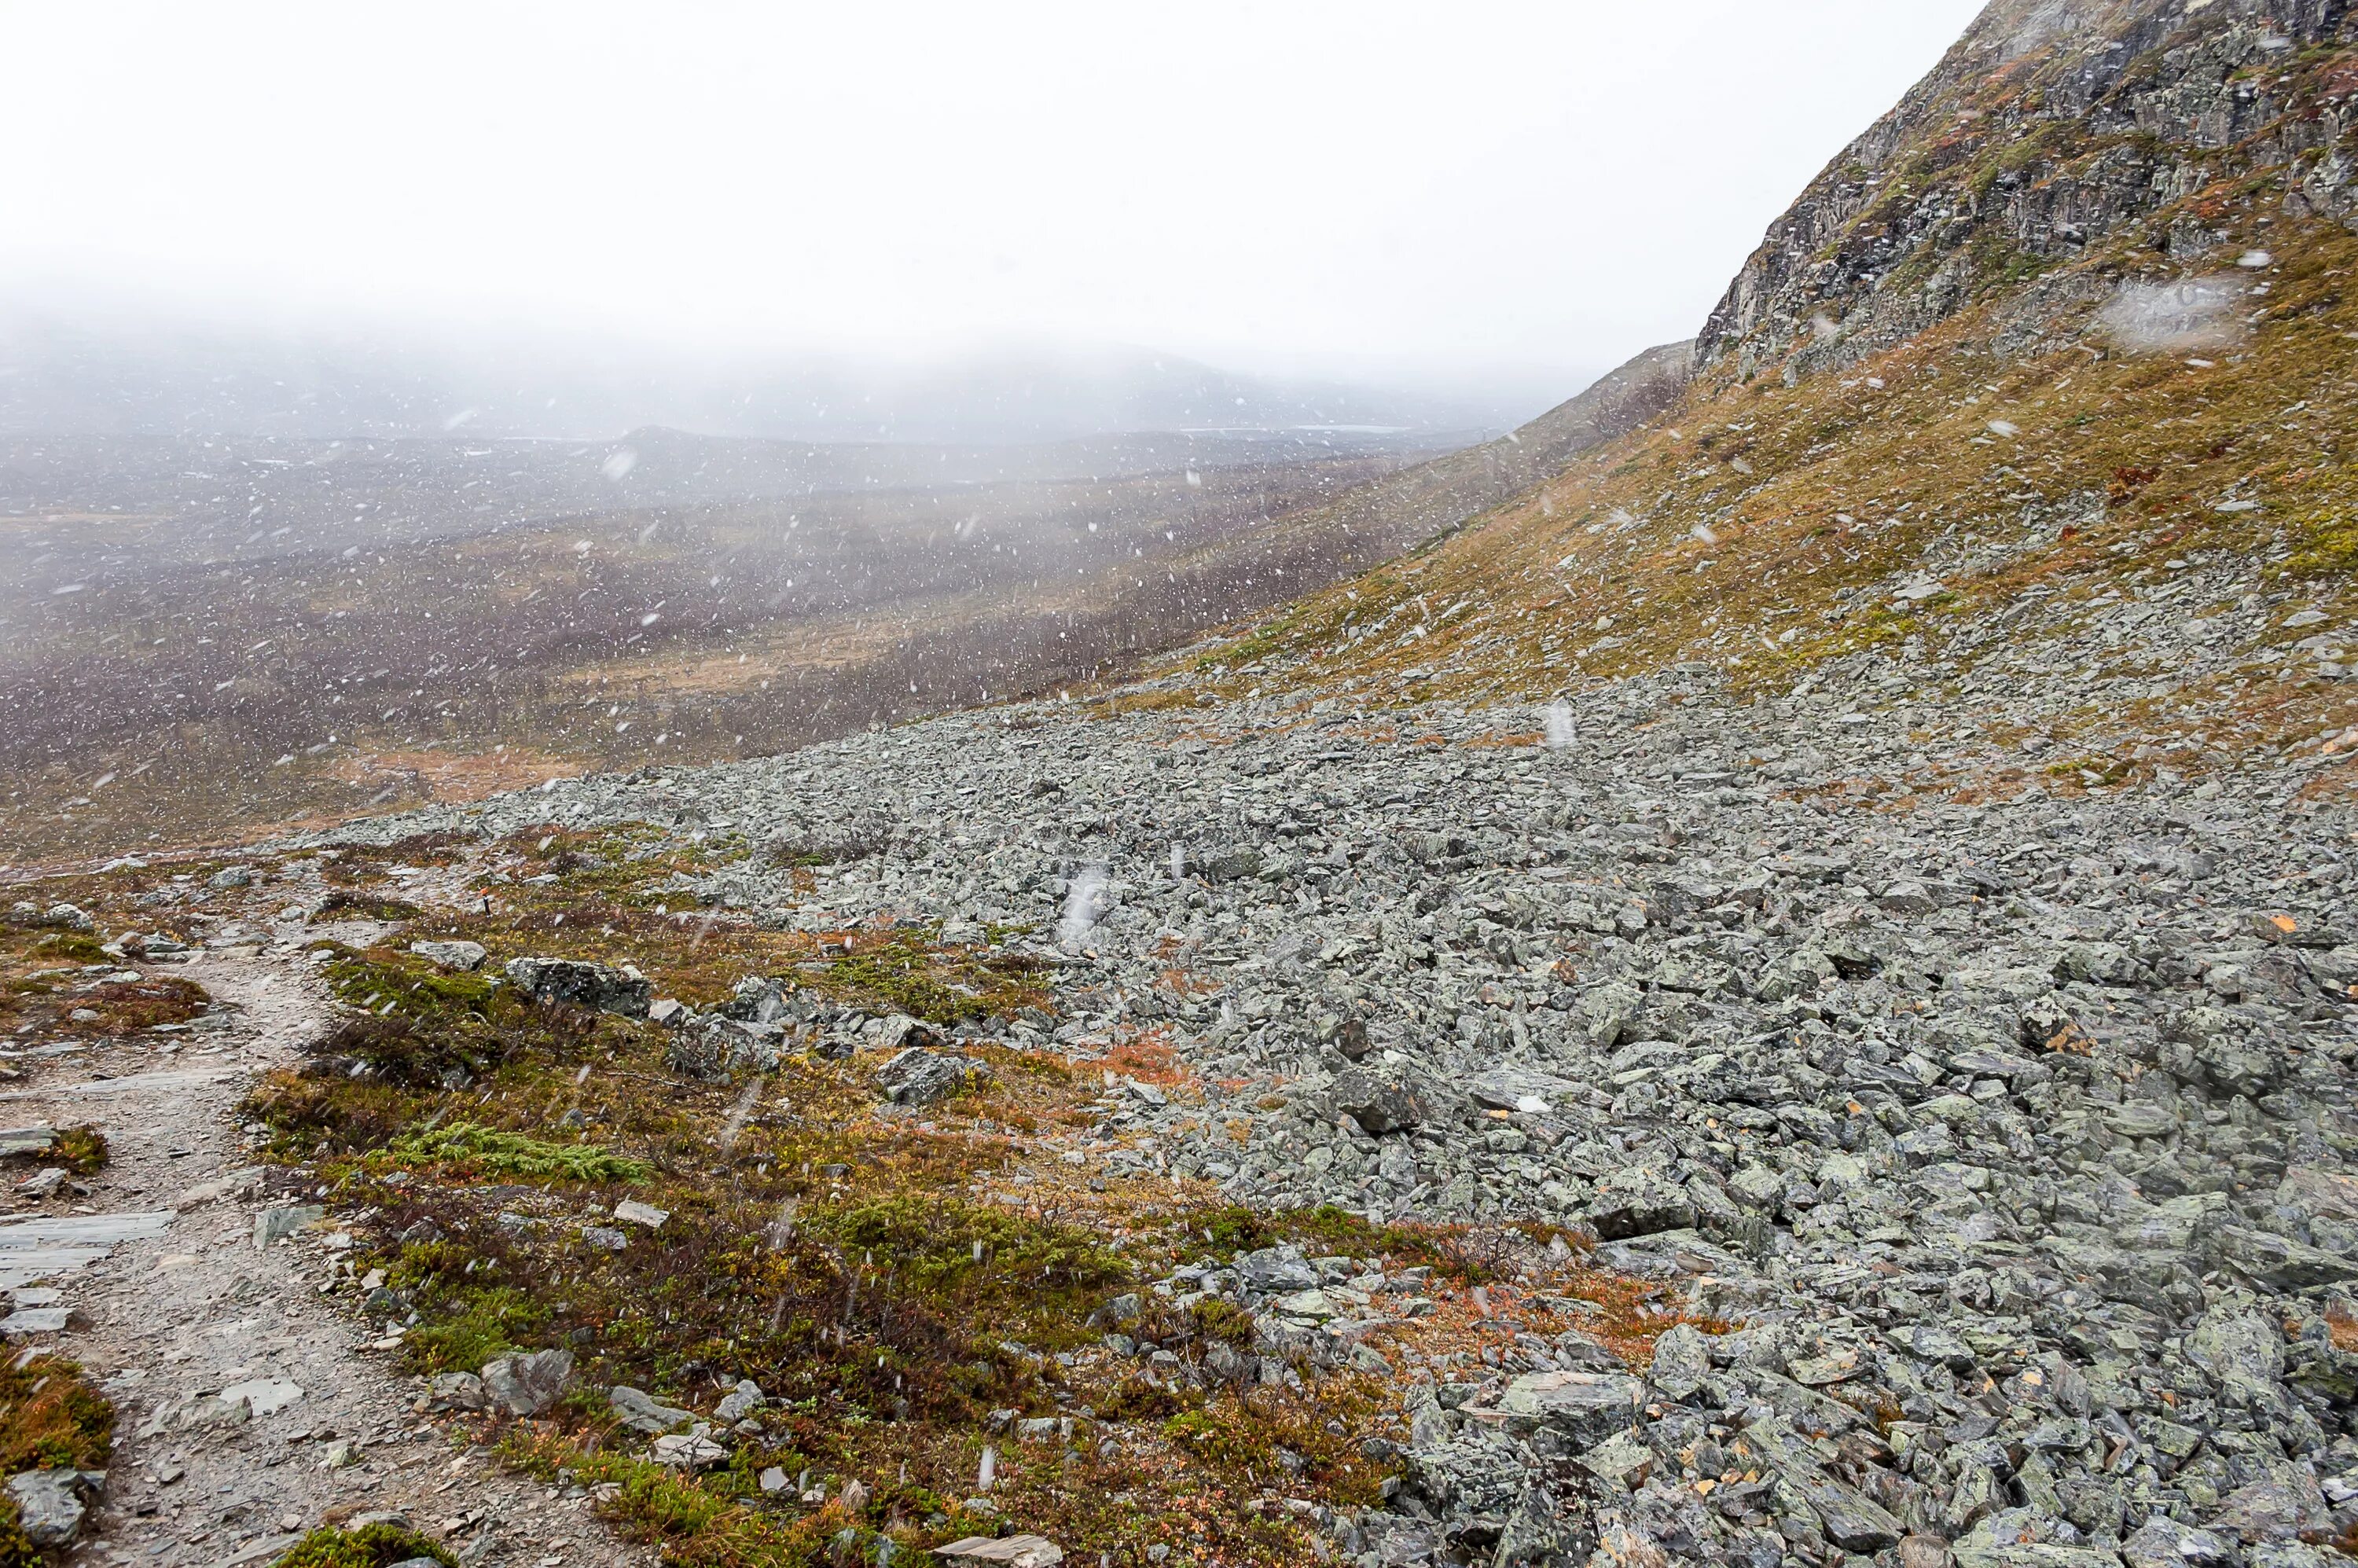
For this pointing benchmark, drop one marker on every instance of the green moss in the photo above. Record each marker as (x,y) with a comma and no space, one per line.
(941,986)
(490,1150)
(487,1323)
(71,945)
(945,1246)
(371,1546)
(1259,1432)
(1259,644)
(2327,546)
(15,1550)
(51,1417)
(1217,1318)
(410,987)
(1326,1230)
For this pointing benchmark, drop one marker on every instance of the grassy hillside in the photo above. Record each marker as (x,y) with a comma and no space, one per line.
(2115,494)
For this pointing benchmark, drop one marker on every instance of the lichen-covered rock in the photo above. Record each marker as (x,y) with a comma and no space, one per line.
(918,1076)
(640,1412)
(597,987)
(53,1504)
(527,1384)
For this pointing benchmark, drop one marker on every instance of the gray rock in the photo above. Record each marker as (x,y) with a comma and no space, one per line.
(580,983)
(2284,1506)
(527,1384)
(920,1076)
(2163,1542)
(1583,1408)
(455,955)
(2238,1348)
(1378,1104)
(1276,1271)
(1681,1361)
(1638,1200)
(458,1390)
(1607,1010)
(50,1505)
(273,1224)
(642,1412)
(2281,1263)
(740,1402)
(2031,1554)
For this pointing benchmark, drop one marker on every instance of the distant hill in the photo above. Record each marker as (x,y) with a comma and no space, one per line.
(64,375)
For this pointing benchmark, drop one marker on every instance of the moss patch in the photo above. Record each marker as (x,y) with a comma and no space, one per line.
(371,1546)
(469,1147)
(52,1417)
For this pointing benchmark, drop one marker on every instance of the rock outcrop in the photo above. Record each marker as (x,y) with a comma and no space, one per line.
(2051,126)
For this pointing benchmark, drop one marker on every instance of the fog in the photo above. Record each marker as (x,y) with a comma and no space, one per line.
(1489,202)
(402,403)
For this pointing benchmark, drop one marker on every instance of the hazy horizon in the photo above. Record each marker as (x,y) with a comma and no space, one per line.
(1491,211)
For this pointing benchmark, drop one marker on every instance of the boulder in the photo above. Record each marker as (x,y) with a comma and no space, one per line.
(1380,1105)
(1681,1361)
(527,1384)
(640,1412)
(1638,1200)
(2163,1542)
(921,1076)
(2284,1505)
(1583,1408)
(52,1504)
(597,987)
(459,955)
(1276,1271)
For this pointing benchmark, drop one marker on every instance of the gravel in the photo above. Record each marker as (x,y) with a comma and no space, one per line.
(2014,1132)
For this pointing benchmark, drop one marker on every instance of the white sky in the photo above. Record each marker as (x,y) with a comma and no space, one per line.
(1354,188)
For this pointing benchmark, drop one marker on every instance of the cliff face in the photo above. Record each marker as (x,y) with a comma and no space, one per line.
(2051,126)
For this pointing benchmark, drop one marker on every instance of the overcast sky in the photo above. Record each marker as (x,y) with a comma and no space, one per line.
(1359,187)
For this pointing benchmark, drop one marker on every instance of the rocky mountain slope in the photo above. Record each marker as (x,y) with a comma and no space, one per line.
(1996,1159)
(2031,411)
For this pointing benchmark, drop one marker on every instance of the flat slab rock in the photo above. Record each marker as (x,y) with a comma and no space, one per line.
(1585,1406)
(1014,1551)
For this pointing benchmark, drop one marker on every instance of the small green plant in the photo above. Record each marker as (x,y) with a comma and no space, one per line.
(489,1323)
(15,1550)
(83,1149)
(493,1151)
(371,1546)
